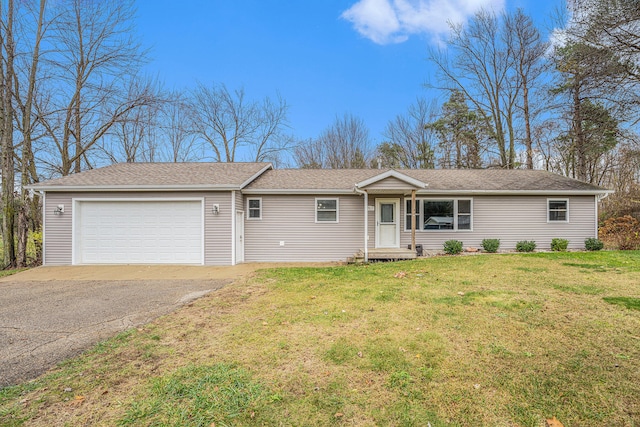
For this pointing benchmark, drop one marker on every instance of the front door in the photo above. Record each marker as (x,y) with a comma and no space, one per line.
(239,237)
(387,223)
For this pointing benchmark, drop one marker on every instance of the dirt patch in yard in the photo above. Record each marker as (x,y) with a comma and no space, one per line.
(146,272)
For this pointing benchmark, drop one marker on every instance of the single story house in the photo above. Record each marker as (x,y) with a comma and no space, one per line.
(228,213)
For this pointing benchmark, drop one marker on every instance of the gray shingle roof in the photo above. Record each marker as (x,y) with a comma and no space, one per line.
(158,175)
(474,180)
(312,179)
(142,176)
(497,180)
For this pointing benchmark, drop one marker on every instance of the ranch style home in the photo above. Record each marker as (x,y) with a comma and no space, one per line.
(229,213)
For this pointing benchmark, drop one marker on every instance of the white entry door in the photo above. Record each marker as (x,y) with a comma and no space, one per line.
(239,237)
(387,223)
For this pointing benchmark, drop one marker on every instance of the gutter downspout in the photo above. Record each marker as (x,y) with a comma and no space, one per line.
(599,197)
(366,221)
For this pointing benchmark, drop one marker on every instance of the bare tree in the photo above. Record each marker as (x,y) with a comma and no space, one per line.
(482,68)
(176,131)
(411,143)
(7,74)
(96,57)
(342,145)
(28,212)
(134,135)
(229,123)
(528,50)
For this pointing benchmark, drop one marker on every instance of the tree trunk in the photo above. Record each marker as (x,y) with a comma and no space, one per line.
(8,163)
(28,170)
(578,137)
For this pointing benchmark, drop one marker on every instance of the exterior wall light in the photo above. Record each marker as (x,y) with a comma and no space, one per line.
(215,209)
(58,210)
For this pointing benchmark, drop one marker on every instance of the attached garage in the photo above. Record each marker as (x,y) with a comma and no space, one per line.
(148,231)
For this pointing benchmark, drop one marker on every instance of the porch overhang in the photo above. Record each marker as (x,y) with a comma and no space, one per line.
(390,183)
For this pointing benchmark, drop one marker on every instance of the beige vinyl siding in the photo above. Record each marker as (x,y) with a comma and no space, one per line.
(390,183)
(291,219)
(239,201)
(58,242)
(57,229)
(511,219)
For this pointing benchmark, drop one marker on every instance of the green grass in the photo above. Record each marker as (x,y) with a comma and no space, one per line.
(456,341)
(630,303)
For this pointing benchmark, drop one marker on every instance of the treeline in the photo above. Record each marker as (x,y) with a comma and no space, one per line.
(73,97)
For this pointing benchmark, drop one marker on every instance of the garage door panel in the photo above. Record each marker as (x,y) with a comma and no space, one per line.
(130,232)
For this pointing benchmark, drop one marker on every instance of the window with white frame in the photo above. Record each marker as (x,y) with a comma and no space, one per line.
(440,214)
(408,210)
(254,208)
(557,210)
(326,210)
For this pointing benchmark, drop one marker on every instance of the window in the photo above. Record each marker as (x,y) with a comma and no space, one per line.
(254,208)
(440,214)
(326,210)
(464,214)
(408,215)
(558,210)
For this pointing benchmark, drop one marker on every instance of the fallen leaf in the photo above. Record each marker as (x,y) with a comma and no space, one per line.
(77,401)
(400,274)
(339,415)
(553,422)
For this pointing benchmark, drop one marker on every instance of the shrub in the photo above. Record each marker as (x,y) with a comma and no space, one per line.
(453,247)
(491,245)
(526,246)
(593,244)
(621,233)
(559,245)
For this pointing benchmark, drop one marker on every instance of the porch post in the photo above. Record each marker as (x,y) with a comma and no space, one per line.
(413,220)
(366,226)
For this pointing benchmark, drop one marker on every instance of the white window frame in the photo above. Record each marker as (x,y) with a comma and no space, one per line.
(420,218)
(337,200)
(557,221)
(249,208)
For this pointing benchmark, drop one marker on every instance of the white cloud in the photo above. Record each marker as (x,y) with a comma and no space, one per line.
(393,21)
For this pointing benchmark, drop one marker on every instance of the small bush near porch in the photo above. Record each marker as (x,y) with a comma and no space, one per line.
(451,341)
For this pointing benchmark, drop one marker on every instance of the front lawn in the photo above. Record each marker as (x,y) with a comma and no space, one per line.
(499,340)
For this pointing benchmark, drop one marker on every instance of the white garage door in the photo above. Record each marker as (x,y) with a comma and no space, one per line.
(138,232)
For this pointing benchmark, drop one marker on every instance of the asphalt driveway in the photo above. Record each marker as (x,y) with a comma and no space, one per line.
(43,322)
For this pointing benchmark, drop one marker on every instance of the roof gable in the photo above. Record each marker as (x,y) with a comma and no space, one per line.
(391,179)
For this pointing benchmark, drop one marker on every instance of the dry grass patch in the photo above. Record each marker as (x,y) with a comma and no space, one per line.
(461,341)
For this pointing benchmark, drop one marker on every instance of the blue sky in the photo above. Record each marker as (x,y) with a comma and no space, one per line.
(325,57)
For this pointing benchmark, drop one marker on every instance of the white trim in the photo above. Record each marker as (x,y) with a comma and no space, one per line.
(558,199)
(243,239)
(256,175)
(133,187)
(392,173)
(377,217)
(233,228)
(44,234)
(595,219)
(429,192)
(305,191)
(75,218)
(337,199)
(249,218)
(420,220)
(514,192)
